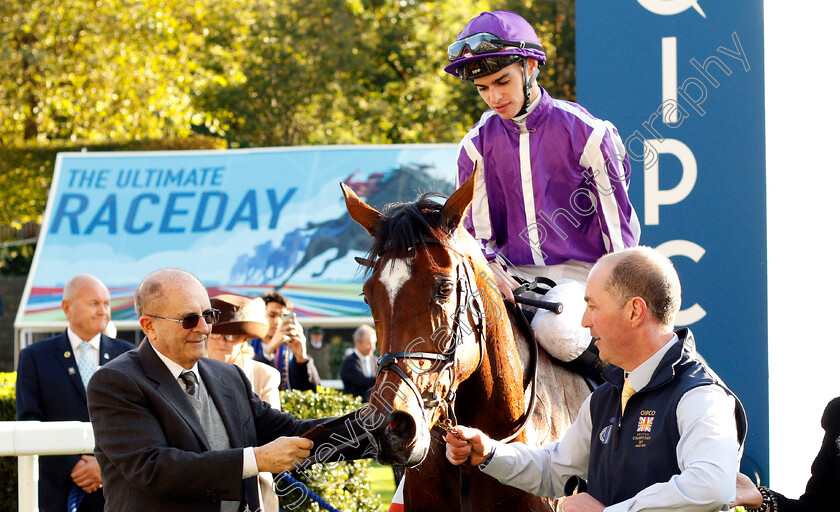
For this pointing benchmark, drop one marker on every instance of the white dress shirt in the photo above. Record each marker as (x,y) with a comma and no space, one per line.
(367,363)
(707,453)
(249,459)
(76,344)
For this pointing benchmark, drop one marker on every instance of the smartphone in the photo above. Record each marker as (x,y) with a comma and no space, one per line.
(283,318)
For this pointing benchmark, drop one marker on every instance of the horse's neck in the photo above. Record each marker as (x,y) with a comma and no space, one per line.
(494,395)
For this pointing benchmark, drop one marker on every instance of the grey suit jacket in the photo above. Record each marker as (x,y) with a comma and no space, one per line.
(150,444)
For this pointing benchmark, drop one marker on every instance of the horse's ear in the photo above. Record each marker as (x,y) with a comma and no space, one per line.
(454,208)
(360,211)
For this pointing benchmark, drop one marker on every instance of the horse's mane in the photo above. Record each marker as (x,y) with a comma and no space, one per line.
(407,225)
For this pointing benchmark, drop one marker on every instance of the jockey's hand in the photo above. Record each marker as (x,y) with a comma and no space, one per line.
(473,444)
(503,280)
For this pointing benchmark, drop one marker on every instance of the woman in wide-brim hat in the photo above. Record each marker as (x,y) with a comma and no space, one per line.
(241,319)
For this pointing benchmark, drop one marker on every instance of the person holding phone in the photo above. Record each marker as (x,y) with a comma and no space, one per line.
(284,346)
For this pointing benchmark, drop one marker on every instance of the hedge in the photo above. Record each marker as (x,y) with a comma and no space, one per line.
(8,465)
(344,485)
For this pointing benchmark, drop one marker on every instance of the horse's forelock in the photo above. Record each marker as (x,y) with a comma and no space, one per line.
(404,226)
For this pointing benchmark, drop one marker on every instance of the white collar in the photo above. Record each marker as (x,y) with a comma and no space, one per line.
(360,356)
(640,377)
(174,368)
(76,340)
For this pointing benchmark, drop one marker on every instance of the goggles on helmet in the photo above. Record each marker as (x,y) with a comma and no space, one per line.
(482,43)
(483,67)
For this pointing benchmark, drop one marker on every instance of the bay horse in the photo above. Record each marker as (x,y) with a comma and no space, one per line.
(450,353)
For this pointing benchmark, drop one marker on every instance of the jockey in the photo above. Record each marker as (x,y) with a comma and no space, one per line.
(551,179)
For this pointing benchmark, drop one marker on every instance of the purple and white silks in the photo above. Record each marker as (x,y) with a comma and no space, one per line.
(554,192)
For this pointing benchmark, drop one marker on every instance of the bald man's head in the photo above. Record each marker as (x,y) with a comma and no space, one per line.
(162,301)
(86,303)
(152,289)
(643,272)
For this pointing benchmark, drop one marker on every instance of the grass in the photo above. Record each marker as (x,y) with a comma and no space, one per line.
(382,482)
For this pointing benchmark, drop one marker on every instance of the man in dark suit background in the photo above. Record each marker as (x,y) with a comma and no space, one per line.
(358,369)
(177,432)
(51,379)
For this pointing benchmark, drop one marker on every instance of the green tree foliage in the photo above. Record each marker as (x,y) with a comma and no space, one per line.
(325,72)
(554,22)
(253,72)
(260,73)
(8,465)
(112,70)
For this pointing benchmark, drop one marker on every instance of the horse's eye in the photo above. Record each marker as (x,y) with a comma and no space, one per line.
(445,290)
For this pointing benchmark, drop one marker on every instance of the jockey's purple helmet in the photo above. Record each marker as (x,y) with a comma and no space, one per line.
(516,34)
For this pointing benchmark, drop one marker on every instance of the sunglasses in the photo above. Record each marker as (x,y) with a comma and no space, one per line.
(211,316)
(482,43)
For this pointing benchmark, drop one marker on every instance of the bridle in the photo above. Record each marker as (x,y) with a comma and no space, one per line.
(468,319)
(469,310)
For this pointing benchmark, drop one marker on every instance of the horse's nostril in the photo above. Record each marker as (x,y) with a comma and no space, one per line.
(401,426)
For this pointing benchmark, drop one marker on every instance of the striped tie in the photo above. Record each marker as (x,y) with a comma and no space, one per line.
(190,382)
(77,494)
(281,359)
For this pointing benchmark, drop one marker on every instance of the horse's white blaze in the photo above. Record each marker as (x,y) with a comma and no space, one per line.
(394,275)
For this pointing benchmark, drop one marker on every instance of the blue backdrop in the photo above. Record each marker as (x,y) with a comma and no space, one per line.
(243,221)
(683,81)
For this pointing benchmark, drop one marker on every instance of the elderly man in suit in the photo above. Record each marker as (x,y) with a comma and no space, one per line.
(358,369)
(51,380)
(175,431)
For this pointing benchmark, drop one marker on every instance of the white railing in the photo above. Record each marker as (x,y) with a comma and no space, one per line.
(28,439)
